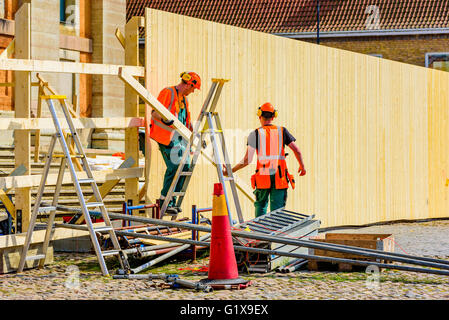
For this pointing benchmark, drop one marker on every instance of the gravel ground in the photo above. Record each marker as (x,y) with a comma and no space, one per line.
(77,277)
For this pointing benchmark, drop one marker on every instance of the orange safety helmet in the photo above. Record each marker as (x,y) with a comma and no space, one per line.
(191,78)
(267,107)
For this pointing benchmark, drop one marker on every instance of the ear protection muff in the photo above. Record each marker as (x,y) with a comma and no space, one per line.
(185,76)
(259,113)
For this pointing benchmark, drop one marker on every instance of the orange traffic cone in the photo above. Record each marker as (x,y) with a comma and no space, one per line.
(223,271)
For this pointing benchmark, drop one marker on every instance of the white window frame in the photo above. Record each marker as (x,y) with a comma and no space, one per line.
(429,54)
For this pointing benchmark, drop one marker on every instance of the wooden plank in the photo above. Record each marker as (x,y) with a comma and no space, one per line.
(79,123)
(29,181)
(369,244)
(145,191)
(357,236)
(37,134)
(10,258)
(48,66)
(153,102)
(75,43)
(120,37)
(22,94)
(186,133)
(18,240)
(132,108)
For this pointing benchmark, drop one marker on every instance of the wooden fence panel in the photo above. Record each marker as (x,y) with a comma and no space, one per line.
(373,132)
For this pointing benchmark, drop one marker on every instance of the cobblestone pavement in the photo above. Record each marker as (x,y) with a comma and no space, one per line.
(77,276)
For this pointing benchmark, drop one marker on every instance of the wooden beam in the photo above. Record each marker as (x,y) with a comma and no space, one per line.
(50,66)
(37,134)
(22,94)
(154,103)
(132,107)
(29,181)
(145,191)
(18,240)
(182,130)
(120,37)
(75,43)
(79,123)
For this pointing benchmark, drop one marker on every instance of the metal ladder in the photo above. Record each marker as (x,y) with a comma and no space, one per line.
(196,143)
(66,160)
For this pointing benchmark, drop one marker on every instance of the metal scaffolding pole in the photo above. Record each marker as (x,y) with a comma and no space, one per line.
(441,264)
(295,255)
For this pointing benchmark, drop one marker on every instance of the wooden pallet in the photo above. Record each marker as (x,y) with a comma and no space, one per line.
(383,242)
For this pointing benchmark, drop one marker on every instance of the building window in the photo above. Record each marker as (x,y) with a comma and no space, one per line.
(438,60)
(62,11)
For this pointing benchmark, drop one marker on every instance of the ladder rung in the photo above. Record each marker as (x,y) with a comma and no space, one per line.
(37,257)
(110,253)
(94,204)
(90,180)
(54,97)
(79,156)
(175,194)
(103,229)
(186,173)
(228,179)
(47,209)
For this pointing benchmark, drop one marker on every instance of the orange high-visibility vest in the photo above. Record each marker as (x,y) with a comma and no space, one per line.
(159,131)
(270,159)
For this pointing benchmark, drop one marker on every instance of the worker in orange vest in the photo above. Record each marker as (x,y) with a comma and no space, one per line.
(272,177)
(171,143)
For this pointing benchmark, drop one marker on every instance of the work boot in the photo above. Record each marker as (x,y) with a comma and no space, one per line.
(171,211)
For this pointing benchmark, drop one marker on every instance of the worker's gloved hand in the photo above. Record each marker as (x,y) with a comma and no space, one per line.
(302,171)
(168,122)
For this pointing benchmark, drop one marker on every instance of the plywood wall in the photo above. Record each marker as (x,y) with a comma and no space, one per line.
(373,132)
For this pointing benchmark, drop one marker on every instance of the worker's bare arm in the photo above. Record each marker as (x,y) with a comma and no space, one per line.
(247,159)
(297,152)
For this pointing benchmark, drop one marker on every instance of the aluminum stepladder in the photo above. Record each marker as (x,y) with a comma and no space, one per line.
(212,126)
(66,161)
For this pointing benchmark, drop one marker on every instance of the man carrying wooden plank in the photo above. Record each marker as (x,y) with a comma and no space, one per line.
(171,143)
(271,178)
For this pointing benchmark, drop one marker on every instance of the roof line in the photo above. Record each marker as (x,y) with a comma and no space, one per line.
(364,33)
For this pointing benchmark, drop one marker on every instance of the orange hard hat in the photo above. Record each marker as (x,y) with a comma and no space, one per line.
(267,107)
(191,78)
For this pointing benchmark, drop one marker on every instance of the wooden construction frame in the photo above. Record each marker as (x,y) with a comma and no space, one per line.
(23,65)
